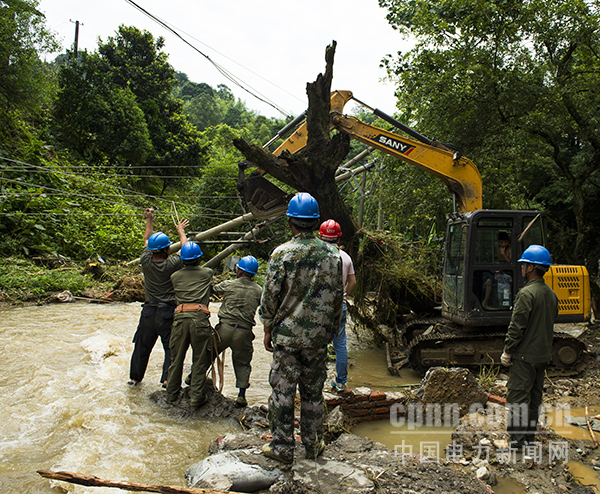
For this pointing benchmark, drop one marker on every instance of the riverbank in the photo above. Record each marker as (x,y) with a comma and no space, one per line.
(37,281)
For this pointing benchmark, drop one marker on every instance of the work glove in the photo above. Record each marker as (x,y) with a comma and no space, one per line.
(506,359)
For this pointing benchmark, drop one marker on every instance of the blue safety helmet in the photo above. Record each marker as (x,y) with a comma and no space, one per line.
(248,264)
(303,205)
(190,251)
(158,241)
(536,254)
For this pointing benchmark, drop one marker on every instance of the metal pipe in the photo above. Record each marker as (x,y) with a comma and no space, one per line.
(218,229)
(211,263)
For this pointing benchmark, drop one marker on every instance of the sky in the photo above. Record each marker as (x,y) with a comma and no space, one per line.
(274,47)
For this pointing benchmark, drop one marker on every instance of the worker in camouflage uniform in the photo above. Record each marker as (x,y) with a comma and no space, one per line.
(190,325)
(241,298)
(528,345)
(300,307)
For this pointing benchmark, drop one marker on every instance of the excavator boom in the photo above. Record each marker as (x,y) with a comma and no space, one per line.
(459,173)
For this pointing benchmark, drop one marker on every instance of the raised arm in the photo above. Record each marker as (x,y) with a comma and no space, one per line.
(149,214)
(181,226)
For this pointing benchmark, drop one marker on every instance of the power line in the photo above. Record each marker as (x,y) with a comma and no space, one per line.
(7,195)
(220,214)
(66,212)
(228,75)
(90,180)
(83,174)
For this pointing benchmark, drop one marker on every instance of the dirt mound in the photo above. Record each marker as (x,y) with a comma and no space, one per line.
(129,288)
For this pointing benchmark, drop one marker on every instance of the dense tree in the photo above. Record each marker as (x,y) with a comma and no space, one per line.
(128,83)
(23,38)
(96,117)
(514,84)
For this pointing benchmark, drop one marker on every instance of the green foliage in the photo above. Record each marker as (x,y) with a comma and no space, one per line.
(97,118)
(23,36)
(400,274)
(117,105)
(206,107)
(25,281)
(47,208)
(514,86)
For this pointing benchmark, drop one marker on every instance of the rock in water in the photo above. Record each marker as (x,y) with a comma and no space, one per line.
(226,471)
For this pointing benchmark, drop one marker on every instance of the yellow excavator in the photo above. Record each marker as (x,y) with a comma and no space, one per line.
(480,273)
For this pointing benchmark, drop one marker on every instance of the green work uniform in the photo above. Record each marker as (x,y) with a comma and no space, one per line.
(302,302)
(241,298)
(529,342)
(192,286)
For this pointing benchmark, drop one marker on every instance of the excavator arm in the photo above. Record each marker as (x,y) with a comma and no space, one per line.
(459,173)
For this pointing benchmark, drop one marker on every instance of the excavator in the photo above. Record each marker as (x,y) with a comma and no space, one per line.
(481,276)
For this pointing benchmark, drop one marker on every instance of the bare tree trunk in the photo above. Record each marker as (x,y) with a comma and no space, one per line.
(313,168)
(81,479)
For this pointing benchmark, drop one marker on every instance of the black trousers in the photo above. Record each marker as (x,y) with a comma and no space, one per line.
(155,321)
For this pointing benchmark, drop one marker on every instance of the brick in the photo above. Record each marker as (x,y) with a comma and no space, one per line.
(377,411)
(358,413)
(334,403)
(385,403)
(358,399)
(364,404)
(366,418)
(382,416)
(377,395)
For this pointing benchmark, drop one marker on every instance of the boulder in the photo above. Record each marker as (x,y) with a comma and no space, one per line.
(451,386)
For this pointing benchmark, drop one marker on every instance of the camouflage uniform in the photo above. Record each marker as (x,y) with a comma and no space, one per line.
(529,341)
(236,319)
(192,285)
(302,303)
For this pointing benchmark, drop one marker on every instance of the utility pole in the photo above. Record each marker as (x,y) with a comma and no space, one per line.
(76,43)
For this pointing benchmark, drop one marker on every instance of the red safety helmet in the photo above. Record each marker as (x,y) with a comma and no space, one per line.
(330,230)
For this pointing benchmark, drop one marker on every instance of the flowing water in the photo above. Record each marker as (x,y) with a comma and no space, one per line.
(64,404)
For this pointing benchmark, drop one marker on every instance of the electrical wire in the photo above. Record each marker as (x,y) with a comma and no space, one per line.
(88,179)
(224,72)
(83,174)
(220,214)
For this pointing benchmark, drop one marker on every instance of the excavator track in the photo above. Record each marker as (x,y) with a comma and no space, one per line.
(451,346)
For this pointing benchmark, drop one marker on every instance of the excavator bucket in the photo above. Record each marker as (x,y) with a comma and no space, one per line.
(262,197)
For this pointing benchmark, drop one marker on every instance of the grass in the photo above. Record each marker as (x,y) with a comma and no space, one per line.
(25,281)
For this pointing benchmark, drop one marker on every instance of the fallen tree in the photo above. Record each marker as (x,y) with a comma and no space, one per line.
(313,168)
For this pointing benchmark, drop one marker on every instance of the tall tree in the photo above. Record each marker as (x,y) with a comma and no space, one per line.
(514,84)
(131,70)
(25,82)
(23,37)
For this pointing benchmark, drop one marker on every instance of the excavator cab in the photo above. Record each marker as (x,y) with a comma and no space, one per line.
(482,275)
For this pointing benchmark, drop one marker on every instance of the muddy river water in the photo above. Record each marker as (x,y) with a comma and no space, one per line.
(64,404)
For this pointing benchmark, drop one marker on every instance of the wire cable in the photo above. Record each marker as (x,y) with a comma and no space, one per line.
(228,75)
(140,194)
